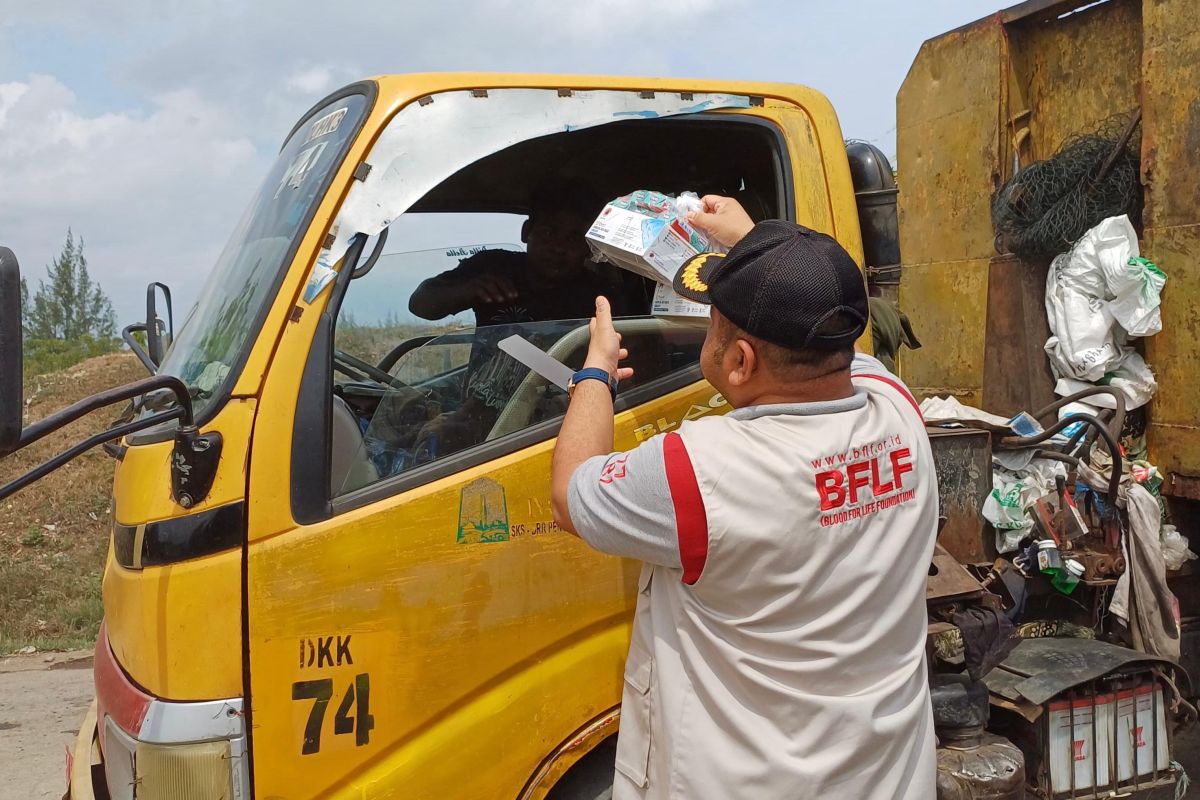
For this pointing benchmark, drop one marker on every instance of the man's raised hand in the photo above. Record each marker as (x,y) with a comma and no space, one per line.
(604,350)
(723,218)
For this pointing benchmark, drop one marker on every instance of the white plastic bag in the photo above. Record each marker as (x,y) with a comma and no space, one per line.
(1102,283)
(1083,344)
(1005,509)
(1136,306)
(936,410)
(1174,547)
(1013,492)
(1131,376)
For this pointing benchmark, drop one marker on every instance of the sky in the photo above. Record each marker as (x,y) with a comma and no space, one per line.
(144,126)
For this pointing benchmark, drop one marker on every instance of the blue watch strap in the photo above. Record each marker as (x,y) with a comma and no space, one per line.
(595,374)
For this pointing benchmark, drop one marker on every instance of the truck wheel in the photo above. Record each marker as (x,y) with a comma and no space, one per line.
(591,778)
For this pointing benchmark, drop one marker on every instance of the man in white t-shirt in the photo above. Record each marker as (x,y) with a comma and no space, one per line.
(778,643)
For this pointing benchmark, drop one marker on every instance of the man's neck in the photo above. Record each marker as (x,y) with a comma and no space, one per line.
(834,386)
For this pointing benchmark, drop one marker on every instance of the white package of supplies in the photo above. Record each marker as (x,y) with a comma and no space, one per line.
(647,232)
(667,303)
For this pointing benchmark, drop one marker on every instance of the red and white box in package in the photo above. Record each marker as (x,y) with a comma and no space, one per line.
(667,303)
(647,233)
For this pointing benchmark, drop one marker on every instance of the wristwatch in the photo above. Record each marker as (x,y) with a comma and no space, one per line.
(595,374)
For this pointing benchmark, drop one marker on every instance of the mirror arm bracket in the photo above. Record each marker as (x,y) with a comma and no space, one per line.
(194,464)
(127,335)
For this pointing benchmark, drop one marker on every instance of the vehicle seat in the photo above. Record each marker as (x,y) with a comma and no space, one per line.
(349,466)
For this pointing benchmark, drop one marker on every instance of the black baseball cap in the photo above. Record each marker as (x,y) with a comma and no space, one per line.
(781,282)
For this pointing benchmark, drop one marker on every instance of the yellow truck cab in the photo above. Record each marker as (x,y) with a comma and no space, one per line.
(334,570)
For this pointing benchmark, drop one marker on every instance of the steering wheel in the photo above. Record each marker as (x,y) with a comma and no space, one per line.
(400,350)
(519,410)
(358,369)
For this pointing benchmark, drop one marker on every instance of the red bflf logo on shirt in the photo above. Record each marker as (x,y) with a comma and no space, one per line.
(1079,754)
(872,481)
(613,469)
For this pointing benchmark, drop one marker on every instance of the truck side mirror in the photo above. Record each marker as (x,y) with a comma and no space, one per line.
(10,352)
(159,333)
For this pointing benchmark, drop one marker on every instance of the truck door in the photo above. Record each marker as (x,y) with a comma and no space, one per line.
(416,622)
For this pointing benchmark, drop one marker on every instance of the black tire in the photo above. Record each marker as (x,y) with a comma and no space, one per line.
(591,778)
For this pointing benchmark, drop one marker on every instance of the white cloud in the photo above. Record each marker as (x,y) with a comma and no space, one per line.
(152,194)
(312,80)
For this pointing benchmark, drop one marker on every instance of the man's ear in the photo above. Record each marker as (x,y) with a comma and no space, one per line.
(744,362)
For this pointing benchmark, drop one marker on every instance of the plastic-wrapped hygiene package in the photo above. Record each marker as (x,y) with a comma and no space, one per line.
(648,233)
(1174,547)
(667,303)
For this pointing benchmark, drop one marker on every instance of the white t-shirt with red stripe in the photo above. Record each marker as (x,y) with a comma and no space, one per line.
(778,645)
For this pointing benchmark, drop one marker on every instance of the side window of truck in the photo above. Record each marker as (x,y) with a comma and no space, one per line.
(410,391)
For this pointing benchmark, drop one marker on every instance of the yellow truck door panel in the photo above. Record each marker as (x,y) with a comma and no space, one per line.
(444,641)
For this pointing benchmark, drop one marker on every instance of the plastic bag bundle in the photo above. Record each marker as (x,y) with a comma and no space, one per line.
(1174,547)
(1099,295)
(1131,375)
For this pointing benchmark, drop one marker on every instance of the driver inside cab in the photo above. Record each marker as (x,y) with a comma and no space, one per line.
(555,279)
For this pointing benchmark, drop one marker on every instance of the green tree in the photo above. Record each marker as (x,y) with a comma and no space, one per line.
(70,306)
(68,318)
(24,307)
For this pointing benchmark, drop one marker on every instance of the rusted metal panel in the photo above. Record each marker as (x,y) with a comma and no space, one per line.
(946,135)
(946,303)
(1074,72)
(1170,146)
(1174,430)
(963,460)
(947,132)
(1016,373)
(1171,112)
(949,581)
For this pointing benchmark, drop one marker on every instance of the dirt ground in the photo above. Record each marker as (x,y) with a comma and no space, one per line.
(43,698)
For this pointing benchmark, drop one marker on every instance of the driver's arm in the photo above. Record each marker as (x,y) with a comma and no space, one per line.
(441,296)
(469,284)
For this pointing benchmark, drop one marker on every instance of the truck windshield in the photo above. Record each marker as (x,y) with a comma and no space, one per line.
(215,339)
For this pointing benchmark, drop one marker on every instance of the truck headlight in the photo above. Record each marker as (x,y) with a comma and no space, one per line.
(145,771)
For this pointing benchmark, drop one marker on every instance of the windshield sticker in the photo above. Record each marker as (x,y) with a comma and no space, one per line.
(322,276)
(482,513)
(300,167)
(326,125)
